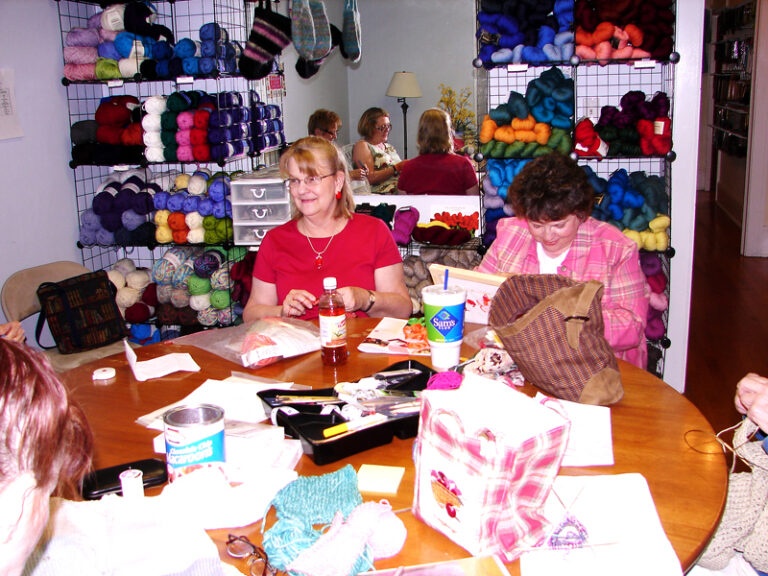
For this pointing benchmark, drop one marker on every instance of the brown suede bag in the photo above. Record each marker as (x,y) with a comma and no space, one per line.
(553,329)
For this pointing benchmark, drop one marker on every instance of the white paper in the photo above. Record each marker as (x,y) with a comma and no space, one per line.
(624,533)
(238,397)
(160,366)
(590,442)
(9,120)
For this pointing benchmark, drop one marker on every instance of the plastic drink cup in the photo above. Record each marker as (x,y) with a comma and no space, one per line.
(444,315)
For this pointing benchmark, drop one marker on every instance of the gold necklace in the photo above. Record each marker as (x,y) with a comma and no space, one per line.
(319,255)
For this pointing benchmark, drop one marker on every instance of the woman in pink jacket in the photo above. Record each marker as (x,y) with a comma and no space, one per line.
(552,233)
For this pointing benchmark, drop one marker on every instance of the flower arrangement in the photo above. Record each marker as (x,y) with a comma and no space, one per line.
(459,107)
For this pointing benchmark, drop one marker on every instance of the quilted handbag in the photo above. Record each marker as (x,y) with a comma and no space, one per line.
(81,312)
(486,457)
(553,328)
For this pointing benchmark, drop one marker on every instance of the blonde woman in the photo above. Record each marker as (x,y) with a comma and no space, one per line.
(437,169)
(325,238)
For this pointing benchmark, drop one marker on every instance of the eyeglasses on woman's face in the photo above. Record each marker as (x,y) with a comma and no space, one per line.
(384,128)
(332,134)
(311,182)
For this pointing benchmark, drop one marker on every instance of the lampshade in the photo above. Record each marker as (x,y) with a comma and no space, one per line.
(404,85)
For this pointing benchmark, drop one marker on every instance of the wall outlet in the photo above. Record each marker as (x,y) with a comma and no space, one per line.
(593,108)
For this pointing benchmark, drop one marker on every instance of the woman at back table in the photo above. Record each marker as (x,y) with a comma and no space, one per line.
(375,154)
(437,170)
(552,232)
(325,238)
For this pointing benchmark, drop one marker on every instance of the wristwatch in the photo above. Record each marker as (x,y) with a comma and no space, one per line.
(394,169)
(371,301)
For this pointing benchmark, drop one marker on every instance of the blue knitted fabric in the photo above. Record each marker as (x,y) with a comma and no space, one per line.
(306,501)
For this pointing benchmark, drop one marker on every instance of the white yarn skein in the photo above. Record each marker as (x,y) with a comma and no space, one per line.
(151,122)
(129,67)
(155,105)
(152,139)
(154,153)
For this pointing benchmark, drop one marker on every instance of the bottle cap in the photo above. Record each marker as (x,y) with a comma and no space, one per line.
(329,283)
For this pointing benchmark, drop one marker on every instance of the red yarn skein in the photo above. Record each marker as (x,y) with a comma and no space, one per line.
(656,136)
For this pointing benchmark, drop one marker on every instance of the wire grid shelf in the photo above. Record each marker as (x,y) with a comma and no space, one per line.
(185,20)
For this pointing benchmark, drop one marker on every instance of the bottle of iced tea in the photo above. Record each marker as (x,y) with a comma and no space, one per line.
(333,325)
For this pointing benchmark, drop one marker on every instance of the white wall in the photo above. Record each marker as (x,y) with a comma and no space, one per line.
(38,217)
(435,39)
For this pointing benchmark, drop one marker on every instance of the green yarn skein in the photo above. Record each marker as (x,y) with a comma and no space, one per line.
(198,285)
(220,299)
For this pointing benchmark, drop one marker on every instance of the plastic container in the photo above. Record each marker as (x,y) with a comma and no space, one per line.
(333,325)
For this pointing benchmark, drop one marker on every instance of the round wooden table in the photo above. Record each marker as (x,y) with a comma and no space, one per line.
(649,437)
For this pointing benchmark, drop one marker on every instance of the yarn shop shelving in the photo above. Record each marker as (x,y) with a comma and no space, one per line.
(561,94)
(156,145)
(734,51)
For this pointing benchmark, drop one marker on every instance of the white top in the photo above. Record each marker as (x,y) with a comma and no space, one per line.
(547,264)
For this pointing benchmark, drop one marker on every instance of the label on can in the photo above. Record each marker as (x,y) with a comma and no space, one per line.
(194,438)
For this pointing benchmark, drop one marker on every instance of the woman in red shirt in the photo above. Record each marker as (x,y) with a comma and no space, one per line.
(437,169)
(325,238)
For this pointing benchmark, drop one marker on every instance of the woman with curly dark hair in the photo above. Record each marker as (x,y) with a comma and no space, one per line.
(552,232)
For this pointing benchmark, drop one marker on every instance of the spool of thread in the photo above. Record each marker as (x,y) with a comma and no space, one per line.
(132,483)
(103,376)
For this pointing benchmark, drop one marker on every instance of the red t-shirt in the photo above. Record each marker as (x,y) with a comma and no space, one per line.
(353,255)
(437,174)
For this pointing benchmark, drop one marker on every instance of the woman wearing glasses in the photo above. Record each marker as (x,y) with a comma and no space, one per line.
(326,124)
(377,155)
(325,238)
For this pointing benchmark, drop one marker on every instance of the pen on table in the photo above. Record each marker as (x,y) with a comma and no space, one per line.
(308,399)
(357,424)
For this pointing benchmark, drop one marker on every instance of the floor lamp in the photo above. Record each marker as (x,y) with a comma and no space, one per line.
(404,85)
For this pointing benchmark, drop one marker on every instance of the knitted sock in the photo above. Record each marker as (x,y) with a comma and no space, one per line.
(322,30)
(303,29)
(270,33)
(351,30)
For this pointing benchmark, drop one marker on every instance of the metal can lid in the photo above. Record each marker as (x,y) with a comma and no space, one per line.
(193,415)
(104,373)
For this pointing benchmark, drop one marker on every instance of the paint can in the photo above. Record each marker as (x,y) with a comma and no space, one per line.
(194,438)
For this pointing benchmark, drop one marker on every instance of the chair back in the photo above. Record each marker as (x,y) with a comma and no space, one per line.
(19,294)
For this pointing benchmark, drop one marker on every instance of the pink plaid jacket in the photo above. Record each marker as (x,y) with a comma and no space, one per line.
(599,252)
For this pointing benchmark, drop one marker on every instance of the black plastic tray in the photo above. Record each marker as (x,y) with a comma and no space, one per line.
(308,423)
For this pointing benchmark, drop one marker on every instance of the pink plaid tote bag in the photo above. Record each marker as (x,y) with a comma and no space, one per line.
(486,456)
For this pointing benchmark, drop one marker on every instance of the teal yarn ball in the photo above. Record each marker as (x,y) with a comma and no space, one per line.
(197,285)
(183,272)
(220,299)
(162,272)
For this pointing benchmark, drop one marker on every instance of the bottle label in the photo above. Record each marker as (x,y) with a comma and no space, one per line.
(333,331)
